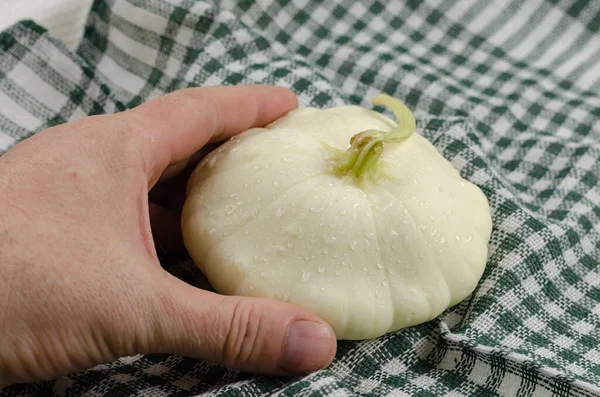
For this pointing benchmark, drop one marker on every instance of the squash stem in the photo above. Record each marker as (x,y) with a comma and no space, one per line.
(361,160)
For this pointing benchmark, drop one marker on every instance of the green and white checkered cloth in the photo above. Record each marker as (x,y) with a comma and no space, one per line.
(508,91)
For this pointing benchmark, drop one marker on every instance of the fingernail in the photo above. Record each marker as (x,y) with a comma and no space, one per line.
(308,347)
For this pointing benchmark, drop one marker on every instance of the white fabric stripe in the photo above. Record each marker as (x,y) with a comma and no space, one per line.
(591,78)
(457,9)
(582,56)
(485,17)
(37,88)
(120,77)
(17,113)
(561,44)
(64,19)
(5,142)
(591,72)
(518,20)
(545,28)
(133,48)
(140,16)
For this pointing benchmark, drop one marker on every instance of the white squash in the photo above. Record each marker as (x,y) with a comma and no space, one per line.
(374,237)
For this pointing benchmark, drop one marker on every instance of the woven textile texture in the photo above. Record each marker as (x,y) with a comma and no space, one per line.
(508,91)
(64,19)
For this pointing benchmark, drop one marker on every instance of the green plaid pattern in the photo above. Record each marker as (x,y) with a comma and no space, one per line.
(508,91)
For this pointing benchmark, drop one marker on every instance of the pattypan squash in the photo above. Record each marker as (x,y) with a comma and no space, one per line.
(340,211)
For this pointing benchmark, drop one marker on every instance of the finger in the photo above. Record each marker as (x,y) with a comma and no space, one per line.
(175,126)
(174,170)
(250,334)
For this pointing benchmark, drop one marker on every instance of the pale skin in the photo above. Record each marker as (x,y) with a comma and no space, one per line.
(80,281)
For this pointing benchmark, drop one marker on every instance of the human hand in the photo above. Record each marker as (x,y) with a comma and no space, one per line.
(80,281)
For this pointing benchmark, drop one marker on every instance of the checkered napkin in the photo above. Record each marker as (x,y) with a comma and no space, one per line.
(508,91)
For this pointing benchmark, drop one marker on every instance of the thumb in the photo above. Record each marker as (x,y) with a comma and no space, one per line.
(250,334)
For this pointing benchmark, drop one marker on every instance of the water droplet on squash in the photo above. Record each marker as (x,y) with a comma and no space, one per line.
(282,172)
(320,269)
(431,217)
(317,209)
(378,294)
(253,214)
(286,296)
(256,167)
(287,159)
(441,189)
(379,265)
(329,239)
(352,245)
(385,283)
(457,238)
(290,244)
(469,238)
(443,241)
(433,232)
(322,289)
(314,240)
(212,161)
(229,209)
(275,183)
(305,276)
(247,231)
(280,212)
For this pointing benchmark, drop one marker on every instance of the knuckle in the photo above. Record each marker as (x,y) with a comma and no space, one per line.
(242,339)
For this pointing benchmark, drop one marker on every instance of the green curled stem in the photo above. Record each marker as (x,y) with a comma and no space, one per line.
(361,160)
